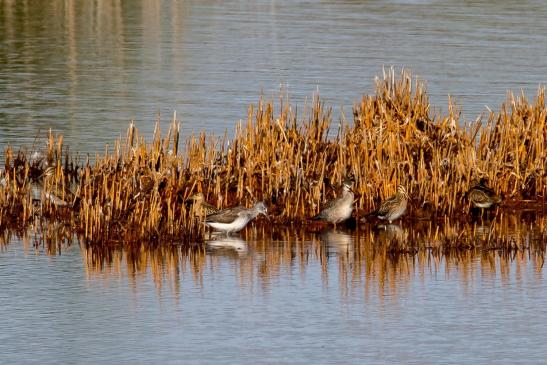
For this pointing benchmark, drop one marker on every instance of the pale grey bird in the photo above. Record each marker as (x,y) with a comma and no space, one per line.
(235,219)
(338,209)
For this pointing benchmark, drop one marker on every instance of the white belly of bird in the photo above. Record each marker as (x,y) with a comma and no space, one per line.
(483,205)
(344,213)
(237,225)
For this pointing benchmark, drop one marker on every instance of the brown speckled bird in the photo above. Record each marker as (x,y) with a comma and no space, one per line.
(394,207)
(199,199)
(482,196)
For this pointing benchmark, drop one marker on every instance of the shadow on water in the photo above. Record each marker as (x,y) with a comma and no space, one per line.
(381,258)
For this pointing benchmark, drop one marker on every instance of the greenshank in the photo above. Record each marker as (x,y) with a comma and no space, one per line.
(235,219)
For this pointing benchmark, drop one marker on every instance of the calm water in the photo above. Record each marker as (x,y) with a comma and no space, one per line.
(85,69)
(279,296)
(287,296)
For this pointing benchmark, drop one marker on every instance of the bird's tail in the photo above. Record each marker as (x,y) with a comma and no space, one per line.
(374,213)
(318,217)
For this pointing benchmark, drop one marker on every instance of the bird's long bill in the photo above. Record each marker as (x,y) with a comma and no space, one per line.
(268,218)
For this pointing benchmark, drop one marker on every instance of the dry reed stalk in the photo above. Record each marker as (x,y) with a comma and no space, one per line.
(136,192)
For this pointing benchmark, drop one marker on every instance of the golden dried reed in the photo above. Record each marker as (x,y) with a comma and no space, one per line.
(137,191)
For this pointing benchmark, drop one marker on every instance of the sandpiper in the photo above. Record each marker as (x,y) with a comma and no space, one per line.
(199,200)
(3,181)
(235,219)
(394,207)
(58,194)
(340,208)
(482,196)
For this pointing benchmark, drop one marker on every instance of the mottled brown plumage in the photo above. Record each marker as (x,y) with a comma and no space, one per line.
(394,207)
(57,193)
(199,200)
(482,196)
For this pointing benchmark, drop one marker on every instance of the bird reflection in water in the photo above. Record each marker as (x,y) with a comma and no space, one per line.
(391,232)
(338,242)
(341,245)
(220,244)
(481,231)
(382,259)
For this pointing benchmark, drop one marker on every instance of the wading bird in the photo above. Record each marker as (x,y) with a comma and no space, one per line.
(338,209)
(482,196)
(235,219)
(394,207)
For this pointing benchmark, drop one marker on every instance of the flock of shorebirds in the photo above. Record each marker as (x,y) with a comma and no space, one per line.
(335,211)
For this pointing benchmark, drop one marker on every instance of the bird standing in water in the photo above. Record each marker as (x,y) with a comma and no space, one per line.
(394,207)
(235,219)
(482,196)
(340,208)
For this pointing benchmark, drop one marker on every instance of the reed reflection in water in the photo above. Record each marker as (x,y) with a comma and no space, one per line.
(414,292)
(381,259)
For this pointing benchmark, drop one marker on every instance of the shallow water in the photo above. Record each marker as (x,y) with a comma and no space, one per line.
(281,295)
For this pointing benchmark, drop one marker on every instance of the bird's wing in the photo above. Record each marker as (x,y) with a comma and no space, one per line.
(478,195)
(330,203)
(387,205)
(225,215)
(209,209)
(485,190)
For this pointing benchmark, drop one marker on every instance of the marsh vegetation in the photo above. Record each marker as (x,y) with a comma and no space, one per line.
(137,191)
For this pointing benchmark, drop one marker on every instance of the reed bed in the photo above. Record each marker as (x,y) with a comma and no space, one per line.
(137,190)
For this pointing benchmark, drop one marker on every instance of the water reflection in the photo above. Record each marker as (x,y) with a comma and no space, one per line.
(165,264)
(222,244)
(86,68)
(338,242)
(388,232)
(354,284)
(379,259)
